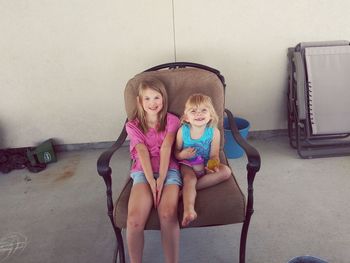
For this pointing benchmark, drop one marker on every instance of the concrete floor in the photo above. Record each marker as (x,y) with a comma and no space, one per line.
(59,215)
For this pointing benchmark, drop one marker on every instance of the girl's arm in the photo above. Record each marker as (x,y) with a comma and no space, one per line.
(145,161)
(165,152)
(215,145)
(181,154)
(178,145)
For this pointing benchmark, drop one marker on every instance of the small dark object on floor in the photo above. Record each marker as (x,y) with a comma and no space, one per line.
(34,158)
(11,159)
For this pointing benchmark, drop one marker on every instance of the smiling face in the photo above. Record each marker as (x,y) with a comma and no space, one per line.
(152,102)
(199,111)
(198,116)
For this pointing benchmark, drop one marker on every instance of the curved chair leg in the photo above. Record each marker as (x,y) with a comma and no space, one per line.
(249,212)
(244,234)
(119,247)
(115,255)
(119,251)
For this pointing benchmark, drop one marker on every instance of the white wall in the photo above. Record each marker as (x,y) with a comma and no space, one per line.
(64,64)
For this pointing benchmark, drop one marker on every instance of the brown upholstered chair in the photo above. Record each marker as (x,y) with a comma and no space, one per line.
(218,205)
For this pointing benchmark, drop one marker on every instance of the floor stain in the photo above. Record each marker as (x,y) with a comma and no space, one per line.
(66,174)
(69,169)
(60,173)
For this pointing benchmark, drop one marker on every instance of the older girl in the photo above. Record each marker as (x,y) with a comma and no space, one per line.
(155,173)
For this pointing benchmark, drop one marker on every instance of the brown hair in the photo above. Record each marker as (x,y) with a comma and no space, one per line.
(158,86)
(198,99)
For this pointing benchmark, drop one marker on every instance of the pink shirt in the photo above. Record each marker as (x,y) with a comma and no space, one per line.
(153,141)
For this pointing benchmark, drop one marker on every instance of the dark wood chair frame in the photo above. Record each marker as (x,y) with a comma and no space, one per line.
(253,166)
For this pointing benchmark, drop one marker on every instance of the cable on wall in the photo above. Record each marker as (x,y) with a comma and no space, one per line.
(174,35)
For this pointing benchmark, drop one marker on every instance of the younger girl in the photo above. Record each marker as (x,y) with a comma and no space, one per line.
(198,139)
(155,174)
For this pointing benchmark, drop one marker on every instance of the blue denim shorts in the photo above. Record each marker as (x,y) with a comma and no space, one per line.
(173,177)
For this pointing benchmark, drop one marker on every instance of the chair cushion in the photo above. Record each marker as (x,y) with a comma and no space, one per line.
(221,204)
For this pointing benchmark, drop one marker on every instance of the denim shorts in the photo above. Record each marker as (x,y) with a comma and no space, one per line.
(173,177)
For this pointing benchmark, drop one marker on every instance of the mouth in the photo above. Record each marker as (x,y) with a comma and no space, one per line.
(153,108)
(199,119)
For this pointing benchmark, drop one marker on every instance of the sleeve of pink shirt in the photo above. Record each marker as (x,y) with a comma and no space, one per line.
(173,123)
(136,136)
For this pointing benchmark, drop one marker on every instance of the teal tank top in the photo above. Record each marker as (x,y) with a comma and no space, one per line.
(202,145)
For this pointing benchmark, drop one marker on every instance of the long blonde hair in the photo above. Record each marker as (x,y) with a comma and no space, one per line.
(197,100)
(158,86)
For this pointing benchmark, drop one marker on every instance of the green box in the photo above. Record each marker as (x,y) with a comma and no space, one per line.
(43,153)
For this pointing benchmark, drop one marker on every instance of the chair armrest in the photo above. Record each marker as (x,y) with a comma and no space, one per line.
(253,167)
(103,161)
(252,154)
(104,170)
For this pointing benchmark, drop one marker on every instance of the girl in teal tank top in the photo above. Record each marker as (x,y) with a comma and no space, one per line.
(201,145)
(197,141)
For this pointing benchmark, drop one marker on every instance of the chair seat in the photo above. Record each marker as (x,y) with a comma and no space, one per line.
(209,206)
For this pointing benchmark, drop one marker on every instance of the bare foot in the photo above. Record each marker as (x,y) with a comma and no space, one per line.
(188,217)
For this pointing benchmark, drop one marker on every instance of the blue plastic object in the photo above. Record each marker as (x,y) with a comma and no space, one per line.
(307,259)
(231,148)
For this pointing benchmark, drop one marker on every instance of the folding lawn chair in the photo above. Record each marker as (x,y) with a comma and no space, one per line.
(318,98)
(218,205)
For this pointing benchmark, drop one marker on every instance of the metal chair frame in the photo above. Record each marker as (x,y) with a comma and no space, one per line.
(253,166)
(301,138)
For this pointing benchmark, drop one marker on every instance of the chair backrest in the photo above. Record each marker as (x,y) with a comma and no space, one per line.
(300,68)
(328,88)
(322,85)
(180,83)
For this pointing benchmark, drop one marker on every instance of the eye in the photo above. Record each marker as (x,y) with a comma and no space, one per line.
(146,98)
(204,110)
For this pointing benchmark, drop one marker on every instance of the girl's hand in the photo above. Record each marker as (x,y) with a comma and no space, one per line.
(153,185)
(212,163)
(209,171)
(160,184)
(188,153)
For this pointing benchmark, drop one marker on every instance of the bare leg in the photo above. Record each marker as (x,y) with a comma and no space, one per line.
(189,194)
(169,224)
(139,207)
(211,179)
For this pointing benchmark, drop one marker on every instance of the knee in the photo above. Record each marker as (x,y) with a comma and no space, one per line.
(167,215)
(225,172)
(134,223)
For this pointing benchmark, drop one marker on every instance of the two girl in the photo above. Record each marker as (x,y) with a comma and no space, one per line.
(155,173)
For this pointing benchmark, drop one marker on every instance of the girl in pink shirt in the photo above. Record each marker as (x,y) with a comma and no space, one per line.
(154,171)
